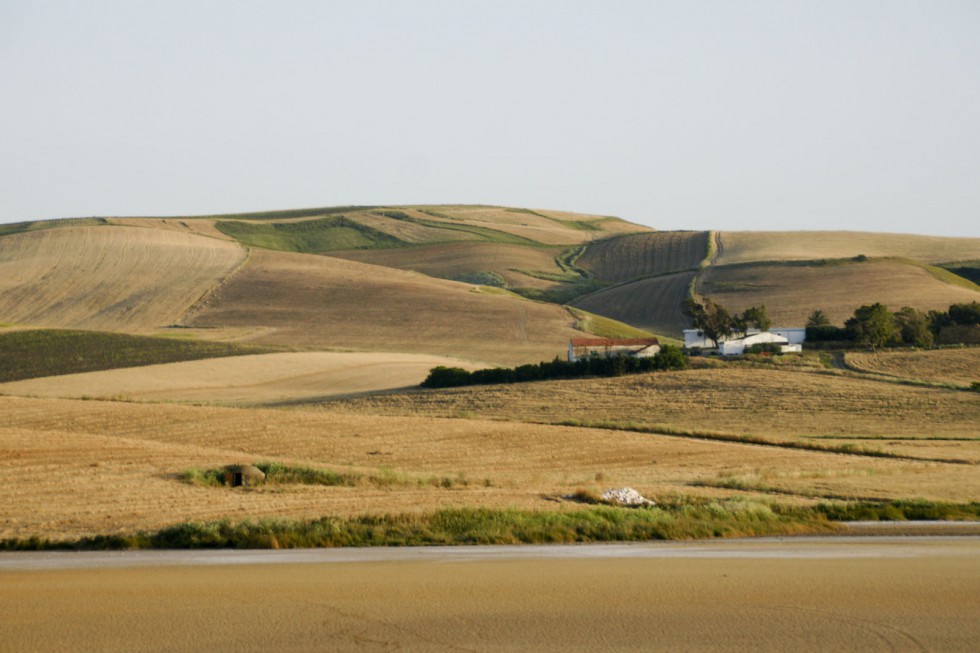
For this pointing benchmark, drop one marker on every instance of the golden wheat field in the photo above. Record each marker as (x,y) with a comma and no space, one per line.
(836,289)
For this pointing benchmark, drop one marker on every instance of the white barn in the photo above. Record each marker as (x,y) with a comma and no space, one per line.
(693,338)
(739,345)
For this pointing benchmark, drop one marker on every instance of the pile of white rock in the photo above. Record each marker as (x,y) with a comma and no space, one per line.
(626,496)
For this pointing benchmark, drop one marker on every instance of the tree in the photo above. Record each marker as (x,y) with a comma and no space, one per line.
(710,318)
(873,326)
(913,327)
(757,316)
(818,319)
(965,314)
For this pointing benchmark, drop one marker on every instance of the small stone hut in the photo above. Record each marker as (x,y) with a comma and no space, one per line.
(243,475)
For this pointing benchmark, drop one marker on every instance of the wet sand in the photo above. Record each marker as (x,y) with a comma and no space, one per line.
(815,594)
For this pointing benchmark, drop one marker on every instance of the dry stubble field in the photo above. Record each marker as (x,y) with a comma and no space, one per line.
(74,468)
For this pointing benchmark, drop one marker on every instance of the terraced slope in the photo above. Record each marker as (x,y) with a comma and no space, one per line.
(112,278)
(747,246)
(653,303)
(633,256)
(324,302)
(792,291)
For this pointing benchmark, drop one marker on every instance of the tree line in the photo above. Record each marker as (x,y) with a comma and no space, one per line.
(875,326)
(668,358)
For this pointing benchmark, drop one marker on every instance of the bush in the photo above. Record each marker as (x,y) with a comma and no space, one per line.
(827,333)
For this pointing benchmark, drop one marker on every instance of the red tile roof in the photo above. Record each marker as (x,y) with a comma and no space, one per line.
(613,342)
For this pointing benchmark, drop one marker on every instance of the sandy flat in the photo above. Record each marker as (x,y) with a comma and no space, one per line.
(897,594)
(241,380)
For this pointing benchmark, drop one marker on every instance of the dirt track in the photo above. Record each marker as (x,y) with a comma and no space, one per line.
(891,596)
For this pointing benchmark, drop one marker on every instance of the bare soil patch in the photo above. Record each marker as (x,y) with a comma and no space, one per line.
(879,601)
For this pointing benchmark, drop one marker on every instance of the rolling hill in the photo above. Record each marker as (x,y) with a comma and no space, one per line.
(445,280)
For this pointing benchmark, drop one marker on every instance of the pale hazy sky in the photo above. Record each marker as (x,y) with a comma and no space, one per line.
(849,114)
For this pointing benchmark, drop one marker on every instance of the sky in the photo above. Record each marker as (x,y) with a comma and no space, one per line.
(752,115)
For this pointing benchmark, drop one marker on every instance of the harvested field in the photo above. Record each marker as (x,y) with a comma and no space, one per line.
(654,304)
(76,468)
(793,292)
(243,380)
(747,246)
(772,403)
(329,303)
(956,366)
(449,261)
(198,226)
(110,277)
(643,255)
(534,225)
(32,353)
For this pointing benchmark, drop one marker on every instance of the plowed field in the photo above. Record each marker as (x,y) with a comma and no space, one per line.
(655,304)
(109,278)
(643,255)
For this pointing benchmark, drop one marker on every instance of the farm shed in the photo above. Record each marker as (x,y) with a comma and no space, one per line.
(607,347)
(243,475)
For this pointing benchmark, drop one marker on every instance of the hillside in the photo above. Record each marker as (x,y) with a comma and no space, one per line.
(111,278)
(792,291)
(328,303)
(748,246)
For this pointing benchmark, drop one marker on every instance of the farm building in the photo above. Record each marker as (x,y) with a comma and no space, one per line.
(606,347)
(693,338)
(738,346)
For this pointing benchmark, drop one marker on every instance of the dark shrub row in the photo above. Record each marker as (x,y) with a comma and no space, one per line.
(668,358)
